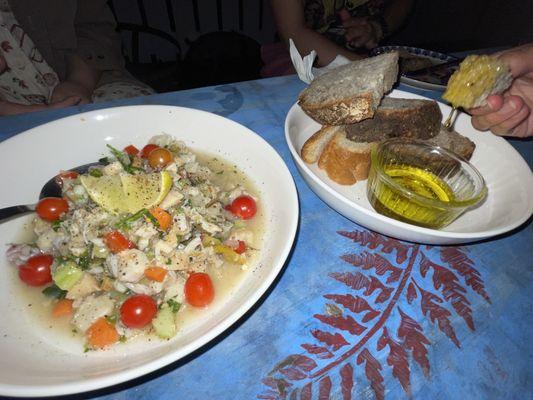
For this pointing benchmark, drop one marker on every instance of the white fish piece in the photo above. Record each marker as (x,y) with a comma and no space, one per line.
(90,309)
(128,265)
(86,285)
(149,289)
(171,199)
(162,249)
(18,254)
(174,286)
(113,168)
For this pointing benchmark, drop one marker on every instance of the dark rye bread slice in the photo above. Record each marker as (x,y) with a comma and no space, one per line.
(350,93)
(409,118)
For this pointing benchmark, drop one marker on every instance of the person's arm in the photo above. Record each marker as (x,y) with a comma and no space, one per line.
(81,80)
(367,32)
(510,113)
(290,21)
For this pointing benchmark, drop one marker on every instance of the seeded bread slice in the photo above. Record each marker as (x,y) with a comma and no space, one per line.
(352,92)
(419,119)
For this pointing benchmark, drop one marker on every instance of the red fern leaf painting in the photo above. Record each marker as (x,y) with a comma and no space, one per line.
(371,327)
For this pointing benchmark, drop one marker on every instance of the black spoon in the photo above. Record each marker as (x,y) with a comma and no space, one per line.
(50,189)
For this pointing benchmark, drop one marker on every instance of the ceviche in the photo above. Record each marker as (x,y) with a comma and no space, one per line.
(139,239)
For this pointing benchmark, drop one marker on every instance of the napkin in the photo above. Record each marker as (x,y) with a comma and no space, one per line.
(304,66)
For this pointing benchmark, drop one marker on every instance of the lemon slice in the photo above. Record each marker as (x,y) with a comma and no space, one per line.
(145,190)
(127,193)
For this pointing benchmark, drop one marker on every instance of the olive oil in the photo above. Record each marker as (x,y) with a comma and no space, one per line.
(392,202)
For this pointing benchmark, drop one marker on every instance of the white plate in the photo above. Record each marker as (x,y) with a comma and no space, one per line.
(509,180)
(34,361)
(432,81)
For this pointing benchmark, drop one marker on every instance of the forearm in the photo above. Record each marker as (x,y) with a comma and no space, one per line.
(307,40)
(81,73)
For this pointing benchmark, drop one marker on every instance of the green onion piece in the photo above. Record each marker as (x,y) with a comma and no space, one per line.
(124,160)
(56,225)
(96,172)
(174,305)
(104,161)
(54,292)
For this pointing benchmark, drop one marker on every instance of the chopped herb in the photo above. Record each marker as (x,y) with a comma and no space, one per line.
(122,339)
(169,261)
(86,349)
(124,160)
(86,258)
(126,222)
(220,172)
(179,238)
(54,292)
(152,219)
(112,319)
(104,161)
(74,331)
(56,225)
(174,305)
(96,172)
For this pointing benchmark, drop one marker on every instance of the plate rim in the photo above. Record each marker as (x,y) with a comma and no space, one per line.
(417,83)
(95,383)
(451,237)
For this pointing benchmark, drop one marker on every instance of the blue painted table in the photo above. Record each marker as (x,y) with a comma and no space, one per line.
(353,315)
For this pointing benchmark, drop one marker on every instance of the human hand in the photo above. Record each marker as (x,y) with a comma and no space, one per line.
(9,108)
(509,114)
(68,89)
(360,32)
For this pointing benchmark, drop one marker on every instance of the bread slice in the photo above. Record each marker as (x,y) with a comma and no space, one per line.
(346,161)
(454,142)
(477,78)
(410,118)
(343,160)
(350,93)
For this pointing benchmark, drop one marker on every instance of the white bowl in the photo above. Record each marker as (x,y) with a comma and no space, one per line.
(35,360)
(509,180)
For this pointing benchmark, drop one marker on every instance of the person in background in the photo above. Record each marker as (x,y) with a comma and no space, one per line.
(331,27)
(60,53)
(509,113)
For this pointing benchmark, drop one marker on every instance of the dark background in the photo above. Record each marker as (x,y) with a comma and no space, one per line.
(165,42)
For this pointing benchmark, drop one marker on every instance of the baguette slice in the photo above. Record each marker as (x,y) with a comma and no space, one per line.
(410,118)
(343,160)
(352,92)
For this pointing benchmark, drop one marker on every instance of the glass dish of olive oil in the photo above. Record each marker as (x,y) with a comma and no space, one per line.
(421,184)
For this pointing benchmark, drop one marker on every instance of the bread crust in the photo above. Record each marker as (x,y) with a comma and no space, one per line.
(346,111)
(314,146)
(344,165)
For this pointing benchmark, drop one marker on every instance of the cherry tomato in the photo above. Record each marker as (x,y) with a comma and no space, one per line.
(131,150)
(159,158)
(117,242)
(51,208)
(138,311)
(243,207)
(199,290)
(60,178)
(145,152)
(36,270)
(241,247)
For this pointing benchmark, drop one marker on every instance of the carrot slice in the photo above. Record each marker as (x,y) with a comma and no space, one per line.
(63,307)
(163,218)
(155,273)
(102,334)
